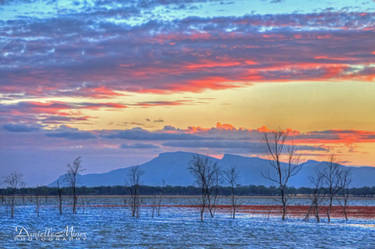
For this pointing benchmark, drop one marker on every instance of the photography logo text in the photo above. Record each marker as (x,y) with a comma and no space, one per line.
(48,234)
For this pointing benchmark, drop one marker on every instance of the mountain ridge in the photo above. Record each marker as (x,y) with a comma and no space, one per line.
(172,168)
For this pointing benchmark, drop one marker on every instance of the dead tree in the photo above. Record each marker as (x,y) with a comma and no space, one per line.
(332,176)
(231,177)
(134,177)
(59,195)
(346,180)
(72,177)
(213,192)
(13,182)
(276,148)
(160,197)
(316,196)
(206,174)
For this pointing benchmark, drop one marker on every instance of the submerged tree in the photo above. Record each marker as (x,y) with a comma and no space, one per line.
(72,177)
(332,176)
(207,176)
(317,195)
(59,195)
(346,180)
(134,178)
(231,177)
(13,182)
(160,197)
(277,147)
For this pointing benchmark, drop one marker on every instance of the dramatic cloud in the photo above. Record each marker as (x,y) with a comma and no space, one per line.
(78,76)
(95,51)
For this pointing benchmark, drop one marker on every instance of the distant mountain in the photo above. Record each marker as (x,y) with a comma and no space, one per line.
(172,167)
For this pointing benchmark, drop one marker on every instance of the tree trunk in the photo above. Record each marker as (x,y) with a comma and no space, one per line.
(37,203)
(12,204)
(74,201)
(283,200)
(202,212)
(329,209)
(345,211)
(317,213)
(233,206)
(60,203)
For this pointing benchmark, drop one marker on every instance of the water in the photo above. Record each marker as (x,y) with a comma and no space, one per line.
(112,227)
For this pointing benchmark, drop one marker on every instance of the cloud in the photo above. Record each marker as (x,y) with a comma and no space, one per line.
(95,52)
(70,133)
(347,137)
(141,134)
(21,127)
(53,112)
(139,146)
(55,107)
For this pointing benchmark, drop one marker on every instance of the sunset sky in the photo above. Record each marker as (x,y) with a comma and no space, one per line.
(120,82)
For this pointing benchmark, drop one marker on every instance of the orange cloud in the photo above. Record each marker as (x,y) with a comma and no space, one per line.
(224,126)
(199,85)
(99,92)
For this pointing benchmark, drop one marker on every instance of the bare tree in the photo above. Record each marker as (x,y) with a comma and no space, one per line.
(13,182)
(160,197)
(59,194)
(346,180)
(231,177)
(206,174)
(317,195)
(71,176)
(134,181)
(332,176)
(276,149)
(214,192)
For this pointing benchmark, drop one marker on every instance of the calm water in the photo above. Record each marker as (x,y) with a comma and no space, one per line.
(99,227)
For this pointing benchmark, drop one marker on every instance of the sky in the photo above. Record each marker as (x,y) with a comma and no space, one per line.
(119,82)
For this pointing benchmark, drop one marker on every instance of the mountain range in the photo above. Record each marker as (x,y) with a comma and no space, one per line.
(172,169)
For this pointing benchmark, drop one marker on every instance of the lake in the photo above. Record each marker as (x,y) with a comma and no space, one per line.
(105,222)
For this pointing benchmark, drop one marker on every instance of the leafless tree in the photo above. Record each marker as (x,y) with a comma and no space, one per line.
(206,174)
(231,177)
(317,195)
(134,178)
(332,176)
(59,194)
(13,182)
(160,198)
(72,177)
(214,192)
(346,180)
(277,147)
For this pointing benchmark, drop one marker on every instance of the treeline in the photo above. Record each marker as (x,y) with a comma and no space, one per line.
(252,190)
